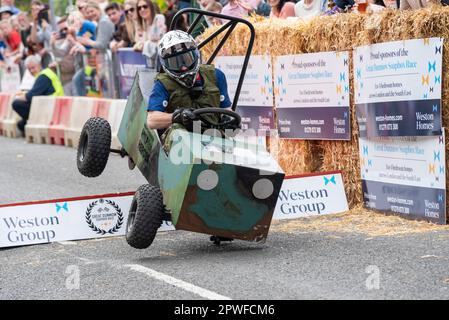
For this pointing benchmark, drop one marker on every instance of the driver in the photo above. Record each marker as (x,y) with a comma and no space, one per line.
(184,84)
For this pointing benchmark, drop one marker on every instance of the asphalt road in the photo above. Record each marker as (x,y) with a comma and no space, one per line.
(182,265)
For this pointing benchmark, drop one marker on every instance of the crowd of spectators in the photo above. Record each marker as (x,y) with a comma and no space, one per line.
(65,44)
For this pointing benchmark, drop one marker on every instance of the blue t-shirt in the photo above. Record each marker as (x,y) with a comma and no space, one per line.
(88,26)
(159,96)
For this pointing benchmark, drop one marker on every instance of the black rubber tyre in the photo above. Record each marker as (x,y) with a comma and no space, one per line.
(145,216)
(94,147)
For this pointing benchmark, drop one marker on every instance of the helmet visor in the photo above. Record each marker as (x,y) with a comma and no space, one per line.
(182,62)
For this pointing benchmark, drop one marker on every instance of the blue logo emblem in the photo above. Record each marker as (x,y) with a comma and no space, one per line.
(332,179)
(64,206)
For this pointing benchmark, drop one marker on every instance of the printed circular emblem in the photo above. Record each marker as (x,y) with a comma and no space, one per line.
(165,103)
(207,179)
(263,188)
(222,98)
(104,216)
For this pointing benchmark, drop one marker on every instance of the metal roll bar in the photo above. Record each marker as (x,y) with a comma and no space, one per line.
(229,26)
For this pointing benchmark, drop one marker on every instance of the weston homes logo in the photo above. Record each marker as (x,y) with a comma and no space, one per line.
(304,196)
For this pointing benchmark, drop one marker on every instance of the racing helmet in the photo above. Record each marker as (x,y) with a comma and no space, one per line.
(179,57)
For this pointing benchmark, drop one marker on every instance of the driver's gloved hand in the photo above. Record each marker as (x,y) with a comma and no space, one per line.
(231,125)
(185,117)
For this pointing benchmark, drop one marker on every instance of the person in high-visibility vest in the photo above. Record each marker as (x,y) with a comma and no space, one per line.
(47,83)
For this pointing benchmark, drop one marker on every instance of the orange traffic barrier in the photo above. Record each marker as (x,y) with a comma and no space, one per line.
(41,115)
(60,120)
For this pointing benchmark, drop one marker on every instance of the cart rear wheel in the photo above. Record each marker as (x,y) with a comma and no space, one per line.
(94,147)
(145,216)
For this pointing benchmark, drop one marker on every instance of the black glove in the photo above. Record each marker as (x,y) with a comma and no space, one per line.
(230,122)
(185,117)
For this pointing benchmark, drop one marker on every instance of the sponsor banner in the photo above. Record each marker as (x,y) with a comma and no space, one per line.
(66,219)
(309,195)
(107,215)
(255,103)
(405,175)
(129,61)
(312,95)
(312,124)
(397,88)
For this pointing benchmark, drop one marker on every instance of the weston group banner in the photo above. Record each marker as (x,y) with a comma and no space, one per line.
(69,219)
(397,88)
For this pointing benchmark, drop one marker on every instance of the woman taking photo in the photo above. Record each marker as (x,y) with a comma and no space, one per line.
(150,29)
(150,25)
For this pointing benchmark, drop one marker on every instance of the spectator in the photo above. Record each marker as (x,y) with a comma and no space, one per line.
(150,29)
(414,4)
(10,3)
(307,9)
(25,26)
(41,28)
(116,16)
(47,83)
(150,25)
(263,9)
(72,49)
(104,31)
(15,23)
(102,4)
(127,30)
(237,8)
(204,3)
(5,12)
(344,5)
(66,62)
(81,27)
(391,4)
(38,49)
(81,5)
(183,4)
(12,40)
(281,9)
(215,7)
(2,48)
(202,23)
(181,22)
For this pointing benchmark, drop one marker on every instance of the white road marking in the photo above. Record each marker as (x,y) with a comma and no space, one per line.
(68,243)
(177,283)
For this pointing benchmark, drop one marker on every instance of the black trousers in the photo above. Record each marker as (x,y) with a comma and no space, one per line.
(22,107)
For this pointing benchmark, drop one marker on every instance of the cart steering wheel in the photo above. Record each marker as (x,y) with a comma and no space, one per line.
(233,120)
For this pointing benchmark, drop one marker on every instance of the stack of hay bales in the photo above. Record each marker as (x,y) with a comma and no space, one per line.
(341,32)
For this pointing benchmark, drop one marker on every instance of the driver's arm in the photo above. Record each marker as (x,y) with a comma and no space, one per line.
(159,120)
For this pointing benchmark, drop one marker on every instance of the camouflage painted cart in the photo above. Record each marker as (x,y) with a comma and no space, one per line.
(216,185)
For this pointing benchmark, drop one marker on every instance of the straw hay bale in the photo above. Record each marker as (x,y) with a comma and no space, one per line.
(358,220)
(341,32)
